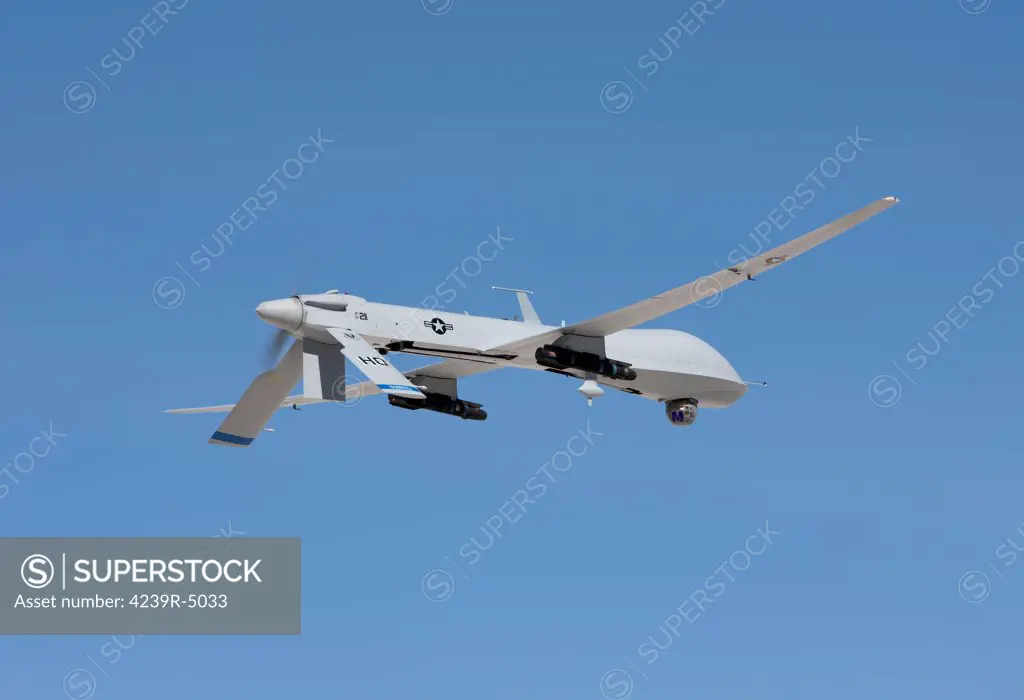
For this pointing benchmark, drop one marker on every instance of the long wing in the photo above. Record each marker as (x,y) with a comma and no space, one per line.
(352,391)
(260,400)
(374,365)
(705,287)
(449,369)
(453,369)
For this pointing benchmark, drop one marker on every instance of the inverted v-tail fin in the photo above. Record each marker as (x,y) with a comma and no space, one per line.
(529,314)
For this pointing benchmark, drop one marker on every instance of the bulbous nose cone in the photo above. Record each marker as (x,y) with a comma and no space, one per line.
(286,314)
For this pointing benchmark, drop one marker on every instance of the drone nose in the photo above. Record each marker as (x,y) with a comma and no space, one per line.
(286,314)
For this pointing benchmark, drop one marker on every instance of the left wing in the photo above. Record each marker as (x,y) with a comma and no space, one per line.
(351,391)
(246,420)
(449,369)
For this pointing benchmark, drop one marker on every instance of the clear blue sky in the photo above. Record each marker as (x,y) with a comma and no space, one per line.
(444,127)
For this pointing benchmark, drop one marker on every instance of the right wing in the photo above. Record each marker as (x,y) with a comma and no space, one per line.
(453,369)
(695,291)
(673,299)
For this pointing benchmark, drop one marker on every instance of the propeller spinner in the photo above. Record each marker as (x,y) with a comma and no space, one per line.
(286,315)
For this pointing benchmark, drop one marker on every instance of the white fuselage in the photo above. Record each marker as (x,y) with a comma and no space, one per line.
(670,364)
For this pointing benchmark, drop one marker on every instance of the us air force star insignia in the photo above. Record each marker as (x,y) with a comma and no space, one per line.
(438,326)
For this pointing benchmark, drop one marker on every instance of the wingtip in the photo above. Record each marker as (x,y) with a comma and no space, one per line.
(211,441)
(891,199)
(222,438)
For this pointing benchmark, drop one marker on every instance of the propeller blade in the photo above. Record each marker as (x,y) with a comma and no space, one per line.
(272,353)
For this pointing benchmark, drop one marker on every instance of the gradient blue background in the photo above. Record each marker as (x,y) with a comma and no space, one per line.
(446,127)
